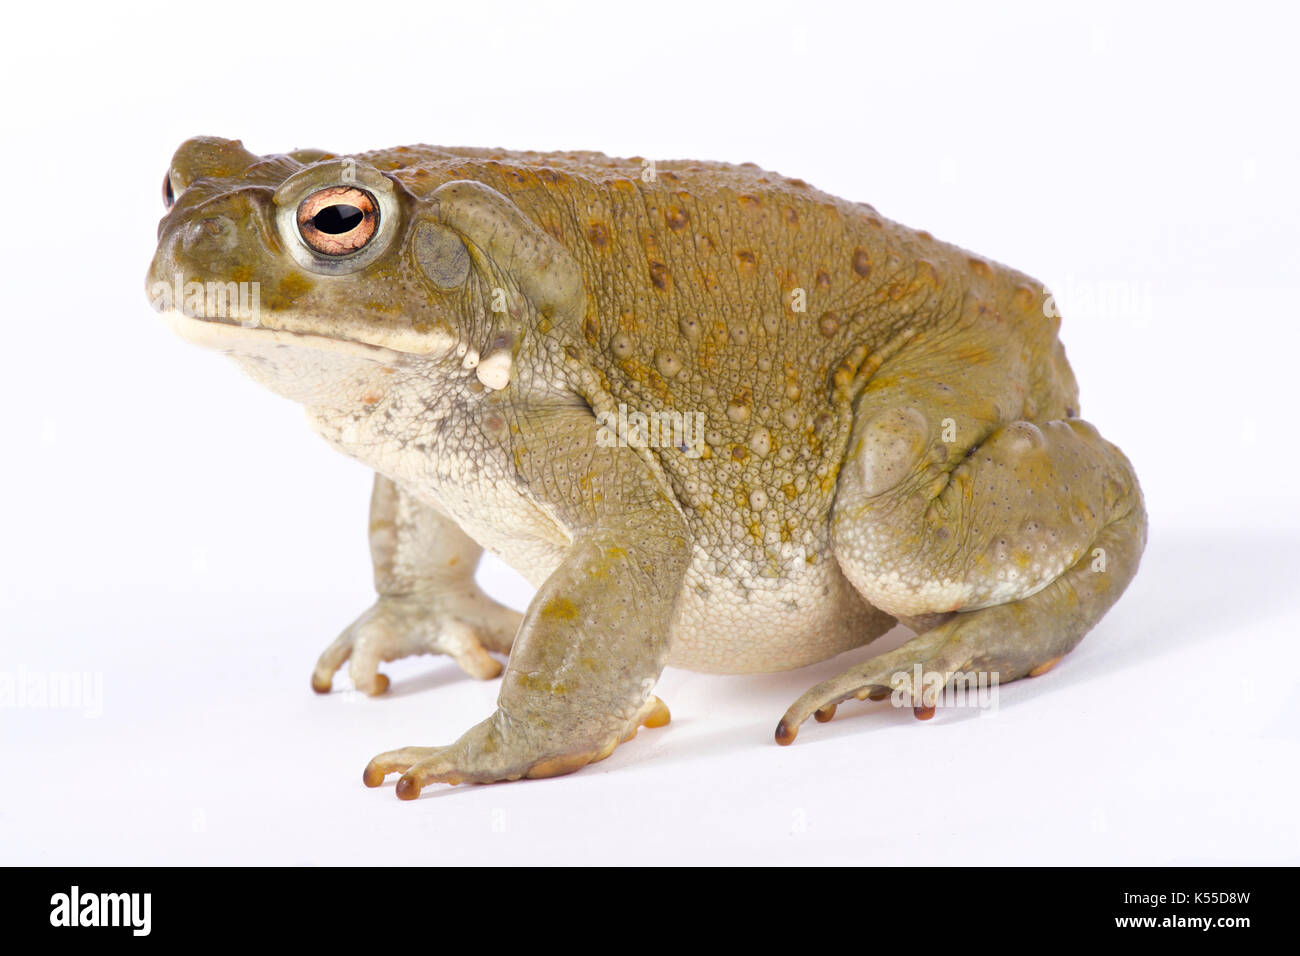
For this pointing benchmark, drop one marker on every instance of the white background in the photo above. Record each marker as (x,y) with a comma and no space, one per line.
(177,532)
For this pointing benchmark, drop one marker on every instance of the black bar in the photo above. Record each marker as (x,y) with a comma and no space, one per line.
(378,906)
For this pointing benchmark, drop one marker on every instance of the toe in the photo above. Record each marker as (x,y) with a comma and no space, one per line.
(394,761)
(364,671)
(330,660)
(654,713)
(462,644)
(436,768)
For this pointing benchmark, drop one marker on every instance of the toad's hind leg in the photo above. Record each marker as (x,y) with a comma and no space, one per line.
(1023,638)
(1023,533)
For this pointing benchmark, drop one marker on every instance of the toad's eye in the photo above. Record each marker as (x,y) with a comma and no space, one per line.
(169,197)
(339,220)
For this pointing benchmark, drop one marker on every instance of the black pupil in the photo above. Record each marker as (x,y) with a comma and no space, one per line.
(337,219)
(168,196)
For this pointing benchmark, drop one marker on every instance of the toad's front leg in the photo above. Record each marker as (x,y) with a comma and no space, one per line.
(429,602)
(594,639)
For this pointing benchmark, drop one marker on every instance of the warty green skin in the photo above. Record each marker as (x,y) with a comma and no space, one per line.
(890,431)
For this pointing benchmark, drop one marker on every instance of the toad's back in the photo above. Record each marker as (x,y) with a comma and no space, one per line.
(751,299)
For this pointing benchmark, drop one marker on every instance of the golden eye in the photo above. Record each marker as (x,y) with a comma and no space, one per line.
(338,220)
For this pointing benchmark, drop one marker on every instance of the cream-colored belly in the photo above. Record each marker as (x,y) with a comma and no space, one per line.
(806,616)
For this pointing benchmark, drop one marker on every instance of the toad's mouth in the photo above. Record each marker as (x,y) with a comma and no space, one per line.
(224,333)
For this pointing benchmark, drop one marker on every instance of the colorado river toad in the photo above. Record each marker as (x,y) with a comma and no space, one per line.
(721,420)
